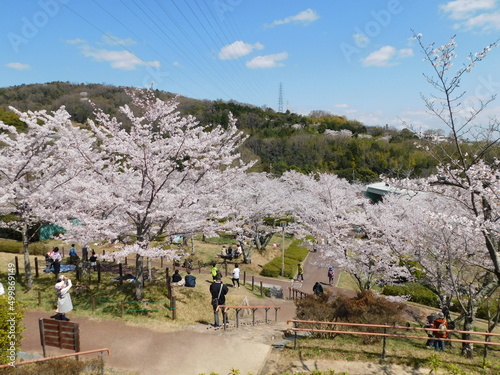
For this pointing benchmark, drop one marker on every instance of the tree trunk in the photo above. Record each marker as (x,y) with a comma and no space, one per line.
(139,276)
(467,348)
(150,273)
(27,264)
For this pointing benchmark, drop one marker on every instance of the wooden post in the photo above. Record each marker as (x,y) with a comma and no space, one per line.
(126,261)
(173,307)
(167,277)
(261,289)
(244,277)
(98,272)
(161,262)
(103,252)
(123,308)
(17,265)
(93,304)
(383,345)
(39,298)
(120,270)
(225,266)
(36,267)
(253,281)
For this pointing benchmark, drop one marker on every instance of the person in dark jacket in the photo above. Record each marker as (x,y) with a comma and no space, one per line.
(189,280)
(318,289)
(218,291)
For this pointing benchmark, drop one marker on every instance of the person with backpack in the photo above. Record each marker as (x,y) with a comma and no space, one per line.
(330,275)
(218,292)
(441,325)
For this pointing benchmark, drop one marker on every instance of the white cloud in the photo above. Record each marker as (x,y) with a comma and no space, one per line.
(76,41)
(269,61)
(124,60)
(238,49)
(112,40)
(18,66)
(480,14)
(461,9)
(305,17)
(341,105)
(386,56)
(485,21)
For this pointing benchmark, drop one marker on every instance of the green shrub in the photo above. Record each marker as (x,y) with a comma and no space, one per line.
(294,254)
(417,292)
(11,317)
(10,246)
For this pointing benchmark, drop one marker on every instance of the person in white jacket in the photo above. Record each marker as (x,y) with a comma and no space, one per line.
(64,304)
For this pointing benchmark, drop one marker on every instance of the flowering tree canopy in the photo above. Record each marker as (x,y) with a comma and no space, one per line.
(36,166)
(156,177)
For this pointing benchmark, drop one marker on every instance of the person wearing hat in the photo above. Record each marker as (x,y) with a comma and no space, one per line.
(218,291)
(64,303)
(441,325)
(330,275)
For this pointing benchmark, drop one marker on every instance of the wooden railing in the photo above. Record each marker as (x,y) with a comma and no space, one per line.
(384,334)
(225,309)
(294,293)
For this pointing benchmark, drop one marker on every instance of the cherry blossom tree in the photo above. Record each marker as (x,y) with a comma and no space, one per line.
(251,200)
(36,166)
(468,174)
(155,178)
(329,208)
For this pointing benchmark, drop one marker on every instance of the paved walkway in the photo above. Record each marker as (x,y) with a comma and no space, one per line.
(194,350)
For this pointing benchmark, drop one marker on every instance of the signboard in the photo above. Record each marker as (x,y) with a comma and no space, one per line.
(61,334)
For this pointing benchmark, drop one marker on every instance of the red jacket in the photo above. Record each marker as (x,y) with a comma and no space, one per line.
(436,325)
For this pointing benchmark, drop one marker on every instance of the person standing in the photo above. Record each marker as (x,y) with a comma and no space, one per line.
(236,276)
(441,324)
(215,271)
(73,256)
(218,291)
(93,261)
(56,260)
(330,275)
(64,303)
(300,272)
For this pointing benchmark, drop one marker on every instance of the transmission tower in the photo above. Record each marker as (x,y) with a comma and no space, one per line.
(280,100)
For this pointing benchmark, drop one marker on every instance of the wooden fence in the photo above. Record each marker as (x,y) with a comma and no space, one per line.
(384,334)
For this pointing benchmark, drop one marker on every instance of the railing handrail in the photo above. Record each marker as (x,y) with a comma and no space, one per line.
(226,307)
(45,359)
(390,335)
(392,326)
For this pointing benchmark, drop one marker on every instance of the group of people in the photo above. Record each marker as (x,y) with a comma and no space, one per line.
(440,327)
(229,253)
(189,280)
(53,259)
(218,291)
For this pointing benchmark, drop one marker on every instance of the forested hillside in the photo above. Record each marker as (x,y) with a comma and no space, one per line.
(280,141)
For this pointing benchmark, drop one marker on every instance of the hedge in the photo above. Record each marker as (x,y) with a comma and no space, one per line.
(294,254)
(417,292)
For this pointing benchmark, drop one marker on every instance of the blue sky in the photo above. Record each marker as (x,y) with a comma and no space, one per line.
(353,58)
